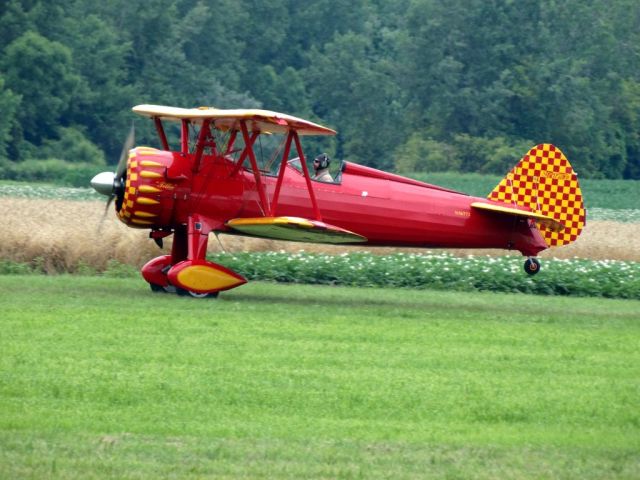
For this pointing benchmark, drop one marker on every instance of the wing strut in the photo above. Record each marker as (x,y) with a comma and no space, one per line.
(243,155)
(307,177)
(249,140)
(254,166)
(283,166)
(231,142)
(184,136)
(293,135)
(161,134)
(205,131)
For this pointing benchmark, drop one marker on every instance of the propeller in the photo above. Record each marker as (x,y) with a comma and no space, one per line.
(111,184)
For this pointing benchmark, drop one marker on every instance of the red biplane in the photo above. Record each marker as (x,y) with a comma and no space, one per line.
(215,183)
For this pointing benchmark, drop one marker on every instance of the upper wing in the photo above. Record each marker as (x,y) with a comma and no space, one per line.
(549,222)
(263,121)
(294,229)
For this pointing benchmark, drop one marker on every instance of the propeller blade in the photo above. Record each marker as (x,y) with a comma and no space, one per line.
(128,145)
(106,207)
(104,215)
(112,184)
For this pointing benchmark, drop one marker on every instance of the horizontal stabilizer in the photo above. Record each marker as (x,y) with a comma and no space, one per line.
(294,229)
(544,220)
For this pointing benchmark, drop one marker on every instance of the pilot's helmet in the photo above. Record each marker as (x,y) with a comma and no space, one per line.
(322,161)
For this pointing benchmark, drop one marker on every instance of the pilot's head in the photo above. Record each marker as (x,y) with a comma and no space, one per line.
(321,162)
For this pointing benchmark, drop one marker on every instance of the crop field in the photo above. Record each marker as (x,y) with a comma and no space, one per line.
(101,378)
(63,229)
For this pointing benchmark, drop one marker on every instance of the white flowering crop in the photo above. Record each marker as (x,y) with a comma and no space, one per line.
(606,278)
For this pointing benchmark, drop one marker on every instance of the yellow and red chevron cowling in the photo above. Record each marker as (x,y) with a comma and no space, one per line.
(545,182)
(145,181)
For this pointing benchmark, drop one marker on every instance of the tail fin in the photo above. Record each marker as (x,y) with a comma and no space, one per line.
(545,182)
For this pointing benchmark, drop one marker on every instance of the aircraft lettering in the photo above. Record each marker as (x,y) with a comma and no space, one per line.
(166,186)
(555,175)
(462,213)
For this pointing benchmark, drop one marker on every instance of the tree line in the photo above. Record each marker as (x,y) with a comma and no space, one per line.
(410,85)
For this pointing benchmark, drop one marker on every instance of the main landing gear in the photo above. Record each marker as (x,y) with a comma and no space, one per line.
(186,271)
(532,265)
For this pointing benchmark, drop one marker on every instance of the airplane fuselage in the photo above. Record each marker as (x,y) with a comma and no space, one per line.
(388,210)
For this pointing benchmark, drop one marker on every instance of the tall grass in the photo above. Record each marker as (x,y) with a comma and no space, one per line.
(67,236)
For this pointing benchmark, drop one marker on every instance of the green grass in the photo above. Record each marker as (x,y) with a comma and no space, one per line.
(100,378)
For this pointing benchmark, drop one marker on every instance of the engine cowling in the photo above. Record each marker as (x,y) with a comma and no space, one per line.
(152,187)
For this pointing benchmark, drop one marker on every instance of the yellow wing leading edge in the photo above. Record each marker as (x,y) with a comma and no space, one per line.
(294,229)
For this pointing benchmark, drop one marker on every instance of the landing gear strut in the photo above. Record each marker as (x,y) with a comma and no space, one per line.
(532,265)
(186,271)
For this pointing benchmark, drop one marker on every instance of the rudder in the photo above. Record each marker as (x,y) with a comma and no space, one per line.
(544,181)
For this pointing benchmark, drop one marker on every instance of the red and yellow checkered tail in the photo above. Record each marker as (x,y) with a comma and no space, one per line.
(544,182)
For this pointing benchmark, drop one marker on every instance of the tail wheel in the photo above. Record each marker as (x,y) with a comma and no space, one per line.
(532,266)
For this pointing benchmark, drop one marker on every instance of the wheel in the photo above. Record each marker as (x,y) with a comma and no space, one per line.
(184,293)
(161,289)
(204,295)
(532,266)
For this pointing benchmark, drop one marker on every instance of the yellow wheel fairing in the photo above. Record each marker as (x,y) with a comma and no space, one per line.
(207,277)
(201,277)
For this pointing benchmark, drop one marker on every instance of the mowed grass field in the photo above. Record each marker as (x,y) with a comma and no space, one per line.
(100,378)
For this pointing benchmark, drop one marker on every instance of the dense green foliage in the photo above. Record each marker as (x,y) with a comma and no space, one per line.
(102,378)
(415,85)
(577,277)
